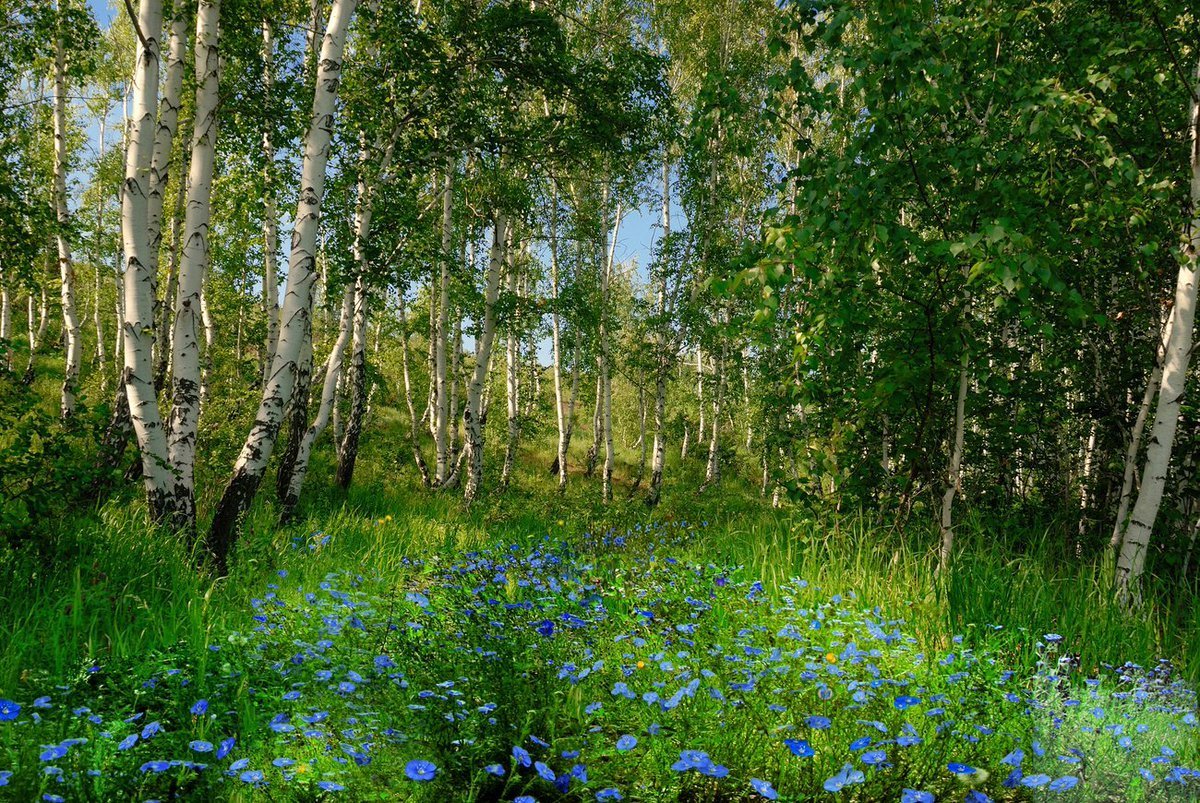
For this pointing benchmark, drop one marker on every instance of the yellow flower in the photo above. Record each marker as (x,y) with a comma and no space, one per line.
(641,664)
(301,768)
(831,658)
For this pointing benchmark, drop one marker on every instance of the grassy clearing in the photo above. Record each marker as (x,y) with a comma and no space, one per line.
(110,619)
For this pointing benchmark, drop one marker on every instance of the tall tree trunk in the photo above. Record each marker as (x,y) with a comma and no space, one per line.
(662,339)
(473,416)
(513,364)
(297,307)
(1131,562)
(1135,443)
(610,253)
(348,452)
(297,420)
(593,453)
(455,377)
(166,314)
(415,425)
(161,167)
(712,468)
(97,261)
(270,286)
(560,459)
(954,475)
(5,325)
(193,264)
(441,334)
(66,264)
(332,371)
(138,324)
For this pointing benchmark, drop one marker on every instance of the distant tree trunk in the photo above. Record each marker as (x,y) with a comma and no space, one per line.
(256,451)
(441,334)
(138,324)
(700,392)
(513,365)
(185,401)
(561,415)
(36,333)
(712,468)
(643,444)
(661,340)
(5,325)
(98,261)
(954,475)
(270,286)
(415,424)
(593,452)
(455,380)
(606,491)
(473,416)
(1131,562)
(66,264)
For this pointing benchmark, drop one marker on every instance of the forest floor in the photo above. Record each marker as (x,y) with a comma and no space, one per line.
(394,646)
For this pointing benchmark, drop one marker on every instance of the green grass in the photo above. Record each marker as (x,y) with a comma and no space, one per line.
(103,590)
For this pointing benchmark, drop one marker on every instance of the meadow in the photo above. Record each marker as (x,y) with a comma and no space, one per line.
(395,645)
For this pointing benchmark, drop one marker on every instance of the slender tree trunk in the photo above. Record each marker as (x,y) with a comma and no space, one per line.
(700,391)
(166,320)
(560,460)
(297,307)
(66,264)
(606,490)
(662,357)
(138,324)
(332,371)
(954,475)
(1131,562)
(297,419)
(348,453)
(194,259)
(5,325)
(712,468)
(161,167)
(455,378)
(441,334)
(473,416)
(643,443)
(513,364)
(593,453)
(415,425)
(1134,447)
(270,286)
(98,261)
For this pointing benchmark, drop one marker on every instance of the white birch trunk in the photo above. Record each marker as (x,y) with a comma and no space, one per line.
(66,265)
(193,265)
(556,348)
(332,374)
(270,287)
(1135,443)
(98,260)
(658,461)
(1131,562)
(954,475)
(441,334)
(138,323)
(414,437)
(474,413)
(297,306)
(512,382)
(606,489)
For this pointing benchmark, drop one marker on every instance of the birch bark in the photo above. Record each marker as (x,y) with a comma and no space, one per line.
(474,412)
(138,322)
(1131,562)
(193,264)
(66,265)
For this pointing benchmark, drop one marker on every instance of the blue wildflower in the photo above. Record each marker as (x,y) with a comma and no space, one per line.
(9,710)
(763,788)
(626,742)
(200,708)
(916,796)
(420,770)
(800,747)
(1063,784)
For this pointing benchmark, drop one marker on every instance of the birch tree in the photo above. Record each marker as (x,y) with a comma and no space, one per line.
(1131,562)
(256,452)
(194,259)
